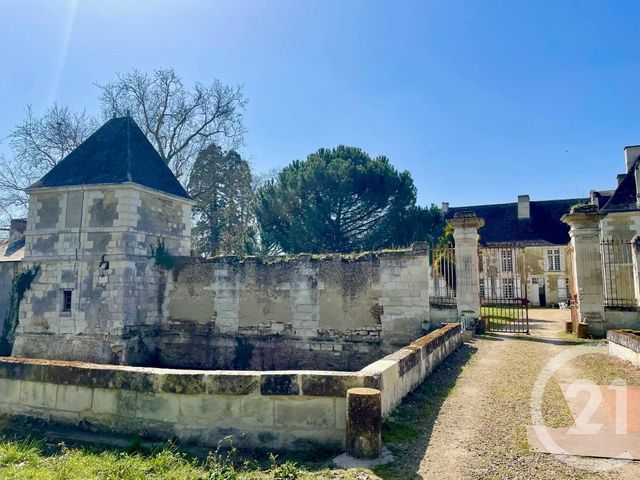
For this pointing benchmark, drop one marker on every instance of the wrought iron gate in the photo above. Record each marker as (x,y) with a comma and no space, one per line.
(503,289)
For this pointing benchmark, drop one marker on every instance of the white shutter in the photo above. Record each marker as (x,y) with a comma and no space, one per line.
(563,266)
(562,289)
(545,258)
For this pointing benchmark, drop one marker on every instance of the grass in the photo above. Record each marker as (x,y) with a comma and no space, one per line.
(507,313)
(28,459)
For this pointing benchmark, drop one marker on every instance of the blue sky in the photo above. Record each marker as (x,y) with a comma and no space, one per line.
(479,100)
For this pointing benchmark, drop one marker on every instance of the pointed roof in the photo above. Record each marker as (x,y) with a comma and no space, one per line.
(118,152)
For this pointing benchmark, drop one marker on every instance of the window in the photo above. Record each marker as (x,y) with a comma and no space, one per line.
(482,292)
(66,300)
(506,260)
(553,259)
(507,288)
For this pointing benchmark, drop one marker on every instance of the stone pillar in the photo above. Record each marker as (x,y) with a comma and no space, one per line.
(584,233)
(465,234)
(364,423)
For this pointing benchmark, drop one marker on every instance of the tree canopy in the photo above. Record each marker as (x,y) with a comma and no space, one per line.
(338,200)
(221,185)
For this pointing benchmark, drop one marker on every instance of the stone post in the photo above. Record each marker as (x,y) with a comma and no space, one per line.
(364,423)
(584,223)
(465,234)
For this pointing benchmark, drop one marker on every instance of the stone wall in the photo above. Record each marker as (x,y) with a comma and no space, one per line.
(335,312)
(625,344)
(402,371)
(283,410)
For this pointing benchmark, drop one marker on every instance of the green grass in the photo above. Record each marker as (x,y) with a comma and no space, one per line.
(507,313)
(28,459)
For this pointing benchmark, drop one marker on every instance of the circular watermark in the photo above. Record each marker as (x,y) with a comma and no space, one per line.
(593,430)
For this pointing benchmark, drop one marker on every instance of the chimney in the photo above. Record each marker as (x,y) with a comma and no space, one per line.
(445,207)
(620,177)
(524,207)
(631,154)
(18,226)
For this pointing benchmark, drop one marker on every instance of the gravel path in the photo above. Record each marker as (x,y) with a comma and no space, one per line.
(478,429)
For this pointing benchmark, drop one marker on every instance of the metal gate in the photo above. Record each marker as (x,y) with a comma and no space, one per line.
(503,289)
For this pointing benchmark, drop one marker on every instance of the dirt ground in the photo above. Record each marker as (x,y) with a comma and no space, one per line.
(478,429)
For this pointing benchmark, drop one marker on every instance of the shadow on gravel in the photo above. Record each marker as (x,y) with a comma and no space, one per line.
(407,432)
(500,337)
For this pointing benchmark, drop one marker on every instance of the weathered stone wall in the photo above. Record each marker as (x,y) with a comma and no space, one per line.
(625,345)
(95,242)
(284,410)
(337,312)
(402,371)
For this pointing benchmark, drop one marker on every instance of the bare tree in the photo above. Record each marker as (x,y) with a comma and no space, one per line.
(180,122)
(38,144)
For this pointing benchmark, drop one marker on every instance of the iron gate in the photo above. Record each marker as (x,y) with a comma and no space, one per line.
(503,289)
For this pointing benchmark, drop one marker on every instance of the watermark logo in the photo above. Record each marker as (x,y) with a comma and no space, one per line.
(601,437)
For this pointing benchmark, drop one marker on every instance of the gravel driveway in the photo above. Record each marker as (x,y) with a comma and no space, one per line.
(468,421)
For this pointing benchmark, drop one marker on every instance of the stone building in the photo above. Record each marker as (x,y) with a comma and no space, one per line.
(91,223)
(540,239)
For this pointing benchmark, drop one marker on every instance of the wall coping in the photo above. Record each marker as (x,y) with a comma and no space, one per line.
(416,250)
(314,383)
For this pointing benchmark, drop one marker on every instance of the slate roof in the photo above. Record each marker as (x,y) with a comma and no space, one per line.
(543,228)
(118,152)
(624,198)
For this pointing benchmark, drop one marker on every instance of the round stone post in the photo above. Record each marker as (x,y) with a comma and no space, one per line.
(364,423)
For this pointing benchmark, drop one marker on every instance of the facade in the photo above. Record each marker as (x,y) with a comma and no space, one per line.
(91,223)
(523,248)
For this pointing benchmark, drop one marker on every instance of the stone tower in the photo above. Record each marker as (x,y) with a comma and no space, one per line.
(92,222)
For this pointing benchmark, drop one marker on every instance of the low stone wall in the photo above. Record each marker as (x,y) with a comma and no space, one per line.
(625,344)
(275,410)
(402,371)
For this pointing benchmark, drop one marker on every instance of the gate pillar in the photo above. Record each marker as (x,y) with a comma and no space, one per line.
(584,232)
(465,234)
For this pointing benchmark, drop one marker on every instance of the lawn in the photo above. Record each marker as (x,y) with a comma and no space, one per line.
(35,460)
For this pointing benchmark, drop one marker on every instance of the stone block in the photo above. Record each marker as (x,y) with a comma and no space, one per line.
(257,411)
(209,408)
(73,399)
(164,407)
(114,402)
(305,412)
(279,384)
(328,384)
(9,391)
(36,394)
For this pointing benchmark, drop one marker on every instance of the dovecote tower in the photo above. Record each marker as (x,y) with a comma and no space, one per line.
(92,221)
